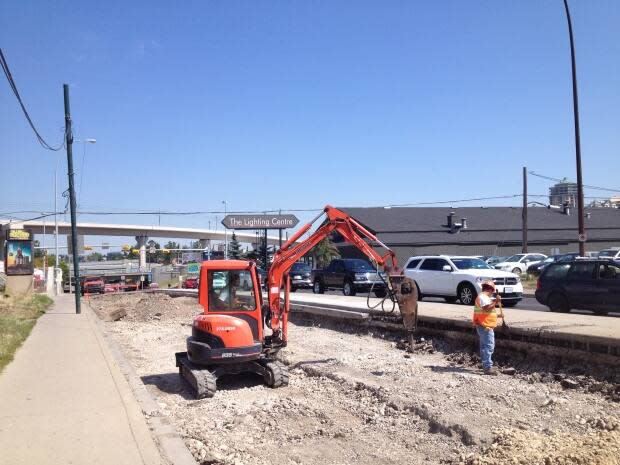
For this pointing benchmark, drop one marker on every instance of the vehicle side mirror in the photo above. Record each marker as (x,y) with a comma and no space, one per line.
(447,268)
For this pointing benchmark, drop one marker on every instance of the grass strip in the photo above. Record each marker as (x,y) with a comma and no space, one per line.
(18,316)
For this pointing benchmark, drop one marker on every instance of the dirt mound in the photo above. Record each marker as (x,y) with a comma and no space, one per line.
(600,445)
(141,307)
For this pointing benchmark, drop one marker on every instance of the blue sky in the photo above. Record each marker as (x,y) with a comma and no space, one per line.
(301,103)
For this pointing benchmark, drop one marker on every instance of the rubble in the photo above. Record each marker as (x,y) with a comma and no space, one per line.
(355,398)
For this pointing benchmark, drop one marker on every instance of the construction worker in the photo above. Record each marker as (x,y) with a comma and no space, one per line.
(485,321)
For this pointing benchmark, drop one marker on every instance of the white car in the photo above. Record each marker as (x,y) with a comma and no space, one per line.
(613,252)
(518,263)
(460,278)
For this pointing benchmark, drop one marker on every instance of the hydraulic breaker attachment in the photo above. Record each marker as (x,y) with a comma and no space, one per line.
(406,294)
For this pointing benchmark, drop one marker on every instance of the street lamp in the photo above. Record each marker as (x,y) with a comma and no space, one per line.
(225,233)
(580,215)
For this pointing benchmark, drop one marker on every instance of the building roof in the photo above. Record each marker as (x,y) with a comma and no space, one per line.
(428,225)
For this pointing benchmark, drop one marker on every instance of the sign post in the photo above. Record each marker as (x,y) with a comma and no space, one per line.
(261,222)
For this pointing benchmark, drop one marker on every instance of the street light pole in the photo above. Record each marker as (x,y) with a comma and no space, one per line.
(56,225)
(225,234)
(580,213)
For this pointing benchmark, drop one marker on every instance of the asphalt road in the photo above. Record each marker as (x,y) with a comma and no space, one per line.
(528,303)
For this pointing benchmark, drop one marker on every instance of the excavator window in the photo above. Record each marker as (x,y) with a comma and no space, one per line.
(231,290)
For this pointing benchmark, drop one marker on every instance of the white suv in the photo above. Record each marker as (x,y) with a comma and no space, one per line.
(613,252)
(460,278)
(518,263)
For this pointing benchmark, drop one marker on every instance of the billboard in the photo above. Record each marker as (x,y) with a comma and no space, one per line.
(19,258)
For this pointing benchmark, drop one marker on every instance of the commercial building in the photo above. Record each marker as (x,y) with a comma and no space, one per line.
(563,193)
(484,230)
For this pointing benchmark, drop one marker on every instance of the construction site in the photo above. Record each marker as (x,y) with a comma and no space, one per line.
(361,394)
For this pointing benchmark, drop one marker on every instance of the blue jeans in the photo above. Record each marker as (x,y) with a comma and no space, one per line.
(487,345)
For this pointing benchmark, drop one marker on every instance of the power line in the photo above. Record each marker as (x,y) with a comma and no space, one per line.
(7,73)
(549,178)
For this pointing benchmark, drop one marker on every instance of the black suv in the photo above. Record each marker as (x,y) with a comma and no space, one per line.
(300,274)
(587,284)
(351,275)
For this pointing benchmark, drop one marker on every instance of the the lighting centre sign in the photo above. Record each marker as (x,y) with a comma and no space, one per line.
(260,221)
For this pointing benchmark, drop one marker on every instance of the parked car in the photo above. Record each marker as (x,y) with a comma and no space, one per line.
(301,276)
(191,282)
(536,268)
(93,285)
(584,283)
(613,252)
(352,275)
(518,263)
(492,261)
(460,278)
(111,287)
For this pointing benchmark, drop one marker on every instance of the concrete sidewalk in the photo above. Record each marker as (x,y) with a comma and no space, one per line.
(64,401)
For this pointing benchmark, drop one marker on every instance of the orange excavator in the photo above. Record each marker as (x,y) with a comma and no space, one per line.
(239,333)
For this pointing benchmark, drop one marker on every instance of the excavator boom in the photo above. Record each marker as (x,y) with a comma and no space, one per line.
(400,289)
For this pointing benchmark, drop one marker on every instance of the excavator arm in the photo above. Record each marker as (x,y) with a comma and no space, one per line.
(401,289)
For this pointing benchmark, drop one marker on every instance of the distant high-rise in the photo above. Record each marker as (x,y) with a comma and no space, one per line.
(564,192)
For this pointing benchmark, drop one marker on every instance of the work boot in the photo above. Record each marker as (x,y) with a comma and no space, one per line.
(490,371)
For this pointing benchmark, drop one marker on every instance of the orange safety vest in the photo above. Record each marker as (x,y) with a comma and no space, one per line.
(486,318)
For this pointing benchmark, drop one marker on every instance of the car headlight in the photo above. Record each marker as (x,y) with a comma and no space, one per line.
(361,276)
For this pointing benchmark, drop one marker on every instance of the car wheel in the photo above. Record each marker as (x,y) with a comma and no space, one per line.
(293,289)
(380,293)
(450,300)
(348,289)
(516,270)
(467,294)
(318,288)
(558,303)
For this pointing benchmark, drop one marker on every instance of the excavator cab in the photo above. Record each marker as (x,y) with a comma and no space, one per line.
(228,337)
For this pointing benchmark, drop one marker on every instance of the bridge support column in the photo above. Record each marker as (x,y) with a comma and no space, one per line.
(141,240)
(205,245)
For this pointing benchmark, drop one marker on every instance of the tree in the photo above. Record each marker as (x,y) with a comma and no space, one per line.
(234,248)
(94,257)
(324,252)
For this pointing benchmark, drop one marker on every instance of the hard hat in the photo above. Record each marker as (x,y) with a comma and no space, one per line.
(488,284)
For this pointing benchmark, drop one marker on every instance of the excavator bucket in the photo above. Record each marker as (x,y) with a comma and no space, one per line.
(406,294)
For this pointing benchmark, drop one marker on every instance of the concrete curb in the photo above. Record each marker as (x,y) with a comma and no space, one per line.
(169,442)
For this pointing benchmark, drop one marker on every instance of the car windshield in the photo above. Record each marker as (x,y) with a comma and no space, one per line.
(607,253)
(360,265)
(300,268)
(470,264)
(551,259)
(514,258)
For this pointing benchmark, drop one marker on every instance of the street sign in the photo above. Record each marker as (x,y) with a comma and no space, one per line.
(152,250)
(193,267)
(260,221)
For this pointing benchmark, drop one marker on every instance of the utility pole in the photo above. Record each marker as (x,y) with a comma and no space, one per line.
(524,213)
(580,214)
(280,236)
(56,262)
(72,202)
(266,254)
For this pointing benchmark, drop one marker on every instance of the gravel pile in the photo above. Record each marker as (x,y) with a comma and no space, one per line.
(357,398)
(597,446)
(141,307)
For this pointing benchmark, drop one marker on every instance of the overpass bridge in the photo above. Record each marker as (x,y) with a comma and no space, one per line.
(142,233)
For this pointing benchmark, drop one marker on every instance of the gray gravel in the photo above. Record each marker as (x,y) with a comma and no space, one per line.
(358,398)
